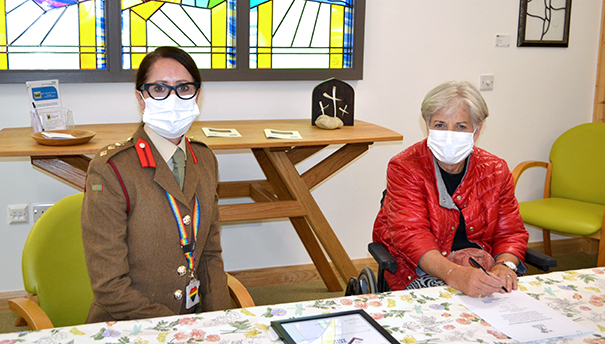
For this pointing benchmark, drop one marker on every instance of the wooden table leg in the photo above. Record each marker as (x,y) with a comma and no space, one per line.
(300,191)
(300,224)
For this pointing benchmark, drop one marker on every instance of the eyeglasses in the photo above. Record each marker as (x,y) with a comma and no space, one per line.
(159,91)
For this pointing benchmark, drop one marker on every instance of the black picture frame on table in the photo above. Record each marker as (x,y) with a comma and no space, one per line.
(544,23)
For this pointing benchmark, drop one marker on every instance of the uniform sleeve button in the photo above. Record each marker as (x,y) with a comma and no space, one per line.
(472,229)
(444,253)
(178,294)
(458,198)
(409,278)
(453,228)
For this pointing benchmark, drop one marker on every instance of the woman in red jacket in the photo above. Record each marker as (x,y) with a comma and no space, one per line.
(445,195)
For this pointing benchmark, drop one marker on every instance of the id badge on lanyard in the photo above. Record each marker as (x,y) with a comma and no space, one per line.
(192,291)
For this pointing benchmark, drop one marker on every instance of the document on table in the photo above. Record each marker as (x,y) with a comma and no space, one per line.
(219,132)
(521,317)
(282,134)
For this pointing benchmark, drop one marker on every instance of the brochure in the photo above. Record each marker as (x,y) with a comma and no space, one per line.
(282,134)
(216,132)
(46,108)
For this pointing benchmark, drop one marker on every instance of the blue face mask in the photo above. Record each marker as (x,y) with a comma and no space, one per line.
(450,147)
(171,117)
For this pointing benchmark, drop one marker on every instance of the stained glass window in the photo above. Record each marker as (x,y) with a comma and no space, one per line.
(105,40)
(52,34)
(203,28)
(301,34)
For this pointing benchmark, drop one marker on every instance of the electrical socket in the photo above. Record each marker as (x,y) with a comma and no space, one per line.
(39,209)
(18,213)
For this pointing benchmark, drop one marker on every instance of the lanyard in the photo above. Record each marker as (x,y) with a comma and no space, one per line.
(188,247)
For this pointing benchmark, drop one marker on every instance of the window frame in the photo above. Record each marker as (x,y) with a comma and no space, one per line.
(242,72)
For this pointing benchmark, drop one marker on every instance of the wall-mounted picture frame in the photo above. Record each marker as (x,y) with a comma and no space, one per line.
(544,23)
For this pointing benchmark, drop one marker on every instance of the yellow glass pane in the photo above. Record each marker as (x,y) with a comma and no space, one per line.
(335,60)
(219,61)
(2,24)
(130,3)
(88,50)
(265,14)
(3,61)
(219,36)
(219,25)
(136,60)
(88,61)
(87,23)
(264,61)
(264,50)
(138,31)
(337,23)
(147,9)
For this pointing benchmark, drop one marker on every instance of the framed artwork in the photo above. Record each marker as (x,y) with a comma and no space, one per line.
(544,23)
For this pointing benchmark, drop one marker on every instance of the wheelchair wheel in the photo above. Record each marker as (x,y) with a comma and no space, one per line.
(352,287)
(367,281)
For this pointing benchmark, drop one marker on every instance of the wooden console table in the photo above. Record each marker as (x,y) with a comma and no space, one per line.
(285,192)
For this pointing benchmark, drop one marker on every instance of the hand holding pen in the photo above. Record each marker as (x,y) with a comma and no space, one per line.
(477,265)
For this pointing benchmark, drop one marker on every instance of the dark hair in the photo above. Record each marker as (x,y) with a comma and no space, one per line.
(174,53)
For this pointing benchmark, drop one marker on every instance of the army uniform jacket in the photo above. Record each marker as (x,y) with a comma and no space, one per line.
(131,240)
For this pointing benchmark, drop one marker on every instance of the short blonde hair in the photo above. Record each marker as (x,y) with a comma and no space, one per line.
(450,97)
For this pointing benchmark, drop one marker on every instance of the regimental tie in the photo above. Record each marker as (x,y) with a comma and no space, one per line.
(178,166)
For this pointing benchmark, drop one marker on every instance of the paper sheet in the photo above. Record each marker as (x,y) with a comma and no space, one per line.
(282,134)
(218,132)
(53,135)
(522,317)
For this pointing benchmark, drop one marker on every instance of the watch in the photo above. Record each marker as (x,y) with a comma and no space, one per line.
(508,264)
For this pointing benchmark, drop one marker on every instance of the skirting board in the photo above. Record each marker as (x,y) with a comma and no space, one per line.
(307,272)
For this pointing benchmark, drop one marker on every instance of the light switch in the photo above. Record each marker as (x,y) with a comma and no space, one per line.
(486,82)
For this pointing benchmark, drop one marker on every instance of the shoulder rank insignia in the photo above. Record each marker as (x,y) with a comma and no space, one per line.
(191,150)
(144,152)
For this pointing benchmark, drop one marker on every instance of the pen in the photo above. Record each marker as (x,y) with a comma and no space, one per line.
(477,265)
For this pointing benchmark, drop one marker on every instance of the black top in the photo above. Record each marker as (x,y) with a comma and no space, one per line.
(452,181)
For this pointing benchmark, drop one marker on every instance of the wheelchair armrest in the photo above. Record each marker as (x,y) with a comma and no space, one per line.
(383,257)
(539,260)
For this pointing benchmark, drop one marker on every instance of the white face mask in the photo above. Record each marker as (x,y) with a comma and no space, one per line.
(171,117)
(450,147)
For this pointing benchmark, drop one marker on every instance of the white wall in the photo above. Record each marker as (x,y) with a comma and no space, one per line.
(410,46)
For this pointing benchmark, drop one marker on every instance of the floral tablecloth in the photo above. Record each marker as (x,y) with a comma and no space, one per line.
(423,316)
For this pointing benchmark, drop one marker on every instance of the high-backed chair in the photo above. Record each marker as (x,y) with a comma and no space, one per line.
(55,274)
(574,189)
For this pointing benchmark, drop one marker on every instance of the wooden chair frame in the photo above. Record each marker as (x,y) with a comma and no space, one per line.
(32,315)
(600,235)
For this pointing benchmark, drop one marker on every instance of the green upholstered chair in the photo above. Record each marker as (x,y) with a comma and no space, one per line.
(54,269)
(55,274)
(574,190)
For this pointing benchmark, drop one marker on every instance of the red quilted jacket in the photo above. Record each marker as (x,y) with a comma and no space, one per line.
(416,217)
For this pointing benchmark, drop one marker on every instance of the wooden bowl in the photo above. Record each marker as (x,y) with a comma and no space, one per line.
(80,137)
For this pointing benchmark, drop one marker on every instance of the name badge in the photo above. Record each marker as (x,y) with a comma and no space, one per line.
(193,293)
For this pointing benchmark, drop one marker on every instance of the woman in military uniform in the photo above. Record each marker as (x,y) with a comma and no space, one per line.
(150,220)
